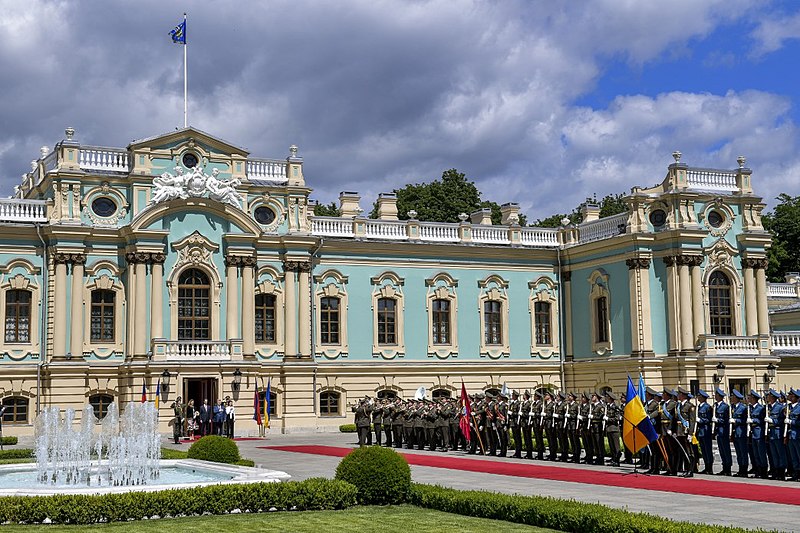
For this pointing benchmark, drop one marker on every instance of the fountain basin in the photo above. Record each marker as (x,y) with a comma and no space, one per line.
(20,479)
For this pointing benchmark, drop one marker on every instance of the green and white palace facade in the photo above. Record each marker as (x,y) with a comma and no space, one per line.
(183,263)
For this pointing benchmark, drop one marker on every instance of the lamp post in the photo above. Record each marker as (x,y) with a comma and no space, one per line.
(720,375)
(769,375)
(237,379)
(165,376)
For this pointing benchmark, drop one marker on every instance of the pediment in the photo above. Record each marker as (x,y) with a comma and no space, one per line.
(190,135)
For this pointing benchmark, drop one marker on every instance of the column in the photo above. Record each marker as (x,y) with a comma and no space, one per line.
(698,316)
(232,296)
(672,302)
(140,312)
(290,306)
(750,302)
(248,306)
(639,284)
(76,307)
(761,297)
(304,309)
(157,295)
(130,258)
(685,302)
(566,277)
(60,306)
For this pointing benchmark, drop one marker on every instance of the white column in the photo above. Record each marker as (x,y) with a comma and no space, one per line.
(698,316)
(290,303)
(248,306)
(140,313)
(304,310)
(566,277)
(639,289)
(761,296)
(750,301)
(157,297)
(232,297)
(685,303)
(672,303)
(76,307)
(60,306)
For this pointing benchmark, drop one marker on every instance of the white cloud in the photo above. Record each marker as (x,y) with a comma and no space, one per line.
(773,31)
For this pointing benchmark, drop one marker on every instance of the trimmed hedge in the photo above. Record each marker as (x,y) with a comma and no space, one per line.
(169,453)
(563,515)
(8,441)
(17,453)
(215,449)
(311,494)
(347,428)
(245,462)
(381,475)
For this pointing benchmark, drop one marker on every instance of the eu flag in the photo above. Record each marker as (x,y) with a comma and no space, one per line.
(637,428)
(179,33)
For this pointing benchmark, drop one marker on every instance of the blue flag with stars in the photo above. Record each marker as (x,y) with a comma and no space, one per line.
(179,33)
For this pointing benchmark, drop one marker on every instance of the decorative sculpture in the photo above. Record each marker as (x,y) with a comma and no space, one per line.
(197,184)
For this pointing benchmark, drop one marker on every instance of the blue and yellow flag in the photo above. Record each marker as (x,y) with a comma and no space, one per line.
(266,403)
(179,33)
(637,428)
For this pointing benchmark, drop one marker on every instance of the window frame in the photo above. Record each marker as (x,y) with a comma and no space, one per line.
(264,321)
(442,286)
(13,413)
(714,300)
(543,323)
(326,319)
(17,305)
(101,407)
(325,397)
(205,294)
(601,337)
(331,283)
(103,306)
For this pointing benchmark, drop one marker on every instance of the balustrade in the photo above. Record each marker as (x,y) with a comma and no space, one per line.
(197,350)
(603,228)
(539,237)
(269,169)
(786,341)
(386,229)
(16,210)
(332,227)
(490,234)
(782,290)
(709,179)
(438,232)
(104,159)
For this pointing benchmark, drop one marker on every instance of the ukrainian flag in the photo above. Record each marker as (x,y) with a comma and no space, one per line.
(637,428)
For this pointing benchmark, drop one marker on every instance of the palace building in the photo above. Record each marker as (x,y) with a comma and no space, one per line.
(182,263)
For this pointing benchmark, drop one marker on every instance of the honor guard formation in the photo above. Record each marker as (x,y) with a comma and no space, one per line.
(762,430)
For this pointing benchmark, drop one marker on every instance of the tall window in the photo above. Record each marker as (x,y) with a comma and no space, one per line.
(265,318)
(18,315)
(329,320)
(273,399)
(493,326)
(387,321)
(541,316)
(387,394)
(102,316)
(329,403)
(100,403)
(438,394)
(16,410)
(719,304)
(601,315)
(194,305)
(441,321)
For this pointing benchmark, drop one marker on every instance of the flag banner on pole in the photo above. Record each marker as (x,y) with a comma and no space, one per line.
(158,393)
(466,413)
(266,403)
(256,408)
(642,388)
(144,391)
(179,33)
(637,428)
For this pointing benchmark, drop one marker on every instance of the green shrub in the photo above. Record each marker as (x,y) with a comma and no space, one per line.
(8,441)
(215,449)
(169,453)
(17,453)
(311,494)
(381,475)
(562,515)
(245,462)
(347,428)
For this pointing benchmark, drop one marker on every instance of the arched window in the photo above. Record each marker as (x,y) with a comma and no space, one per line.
(719,304)
(541,311)
(194,305)
(102,316)
(329,403)
(387,394)
(18,315)
(601,319)
(441,321)
(273,402)
(265,317)
(329,320)
(492,391)
(493,322)
(100,403)
(438,394)
(387,321)
(16,410)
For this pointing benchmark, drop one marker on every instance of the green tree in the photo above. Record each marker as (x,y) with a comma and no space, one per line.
(329,210)
(784,224)
(610,205)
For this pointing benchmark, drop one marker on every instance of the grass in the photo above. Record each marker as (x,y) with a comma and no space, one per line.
(15,461)
(362,519)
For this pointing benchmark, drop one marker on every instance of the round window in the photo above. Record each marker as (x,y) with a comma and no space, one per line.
(715,219)
(104,206)
(658,217)
(189,160)
(264,215)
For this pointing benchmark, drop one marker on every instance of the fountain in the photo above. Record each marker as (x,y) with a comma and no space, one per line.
(123,455)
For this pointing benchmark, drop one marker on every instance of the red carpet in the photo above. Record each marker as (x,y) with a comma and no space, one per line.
(778,492)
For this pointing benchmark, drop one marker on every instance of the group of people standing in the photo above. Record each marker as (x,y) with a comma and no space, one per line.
(190,421)
(586,428)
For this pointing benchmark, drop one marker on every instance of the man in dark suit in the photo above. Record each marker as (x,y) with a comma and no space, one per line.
(205,419)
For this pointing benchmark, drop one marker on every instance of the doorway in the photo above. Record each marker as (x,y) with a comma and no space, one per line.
(199,389)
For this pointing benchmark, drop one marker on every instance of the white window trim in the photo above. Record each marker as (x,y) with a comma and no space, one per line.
(494,288)
(104,350)
(21,350)
(272,283)
(598,283)
(331,284)
(544,289)
(442,287)
(737,297)
(388,285)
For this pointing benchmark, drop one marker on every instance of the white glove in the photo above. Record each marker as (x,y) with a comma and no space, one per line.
(580,417)
(769,420)
(749,420)
(556,415)
(566,415)
(714,419)
(605,419)
(669,432)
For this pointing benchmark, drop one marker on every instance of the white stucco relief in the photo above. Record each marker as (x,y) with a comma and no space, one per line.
(195,184)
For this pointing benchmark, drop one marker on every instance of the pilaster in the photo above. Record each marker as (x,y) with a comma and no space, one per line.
(685,302)
(248,306)
(639,284)
(232,296)
(566,279)
(157,295)
(761,296)
(60,306)
(76,307)
(290,309)
(750,301)
(698,315)
(672,303)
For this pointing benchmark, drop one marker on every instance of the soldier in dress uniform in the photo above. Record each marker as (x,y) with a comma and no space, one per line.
(612,419)
(584,425)
(362,412)
(526,423)
(456,438)
(538,419)
(561,426)
(398,417)
(443,424)
(651,455)
(758,415)
(549,425)
(573,431)
(429,425)
(776,419)
(515,423)
(668,427)
(739,431)
(792,437)
(408,424)
(377,421)
(598,412)
(721,428)
(704,433)
(686,415)
(477,424)
(501,421)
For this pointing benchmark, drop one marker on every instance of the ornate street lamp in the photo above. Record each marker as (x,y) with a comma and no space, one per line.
(769,375)
(237,379)
(720,375)
(165,375)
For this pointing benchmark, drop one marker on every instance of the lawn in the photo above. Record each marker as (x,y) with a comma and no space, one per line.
(361,519)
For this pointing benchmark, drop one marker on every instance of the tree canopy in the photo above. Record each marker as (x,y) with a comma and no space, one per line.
(784,224)
(327,210)
(611,204)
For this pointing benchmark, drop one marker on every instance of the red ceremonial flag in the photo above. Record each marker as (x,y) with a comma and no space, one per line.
(144,392)
(257,408)
(466,413)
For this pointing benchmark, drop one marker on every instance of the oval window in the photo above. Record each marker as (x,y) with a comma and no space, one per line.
(715,219)
(658,218)
(104,206)
(189,160)
(264,215)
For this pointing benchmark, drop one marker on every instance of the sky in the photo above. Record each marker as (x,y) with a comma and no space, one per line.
(541,103)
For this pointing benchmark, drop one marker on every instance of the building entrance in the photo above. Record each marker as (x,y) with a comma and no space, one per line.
(199,389)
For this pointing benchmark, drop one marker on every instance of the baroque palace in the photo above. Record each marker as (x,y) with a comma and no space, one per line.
(183,264)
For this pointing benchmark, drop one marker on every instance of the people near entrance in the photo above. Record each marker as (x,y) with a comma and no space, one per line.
(191,420)
(205,419)
(230,417)
(177,420)
(219,419)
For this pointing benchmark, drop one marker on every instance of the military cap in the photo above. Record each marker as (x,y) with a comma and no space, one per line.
(489,395)
(703,393)
(538,394)
(571,393)
(612,395)
(649,390)
(595,393)
(737,394)
(658,394)
(480,396)
(561,395)
(794,391)
(515,393)
(527,393)
(670,392)
(681,390)
(720,392)
(775,394)
(586,395)
(754,394)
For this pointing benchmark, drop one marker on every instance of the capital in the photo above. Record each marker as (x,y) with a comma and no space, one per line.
(635,263)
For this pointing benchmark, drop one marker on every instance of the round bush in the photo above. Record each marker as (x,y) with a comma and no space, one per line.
(381,475)
(347,428)
(215,449)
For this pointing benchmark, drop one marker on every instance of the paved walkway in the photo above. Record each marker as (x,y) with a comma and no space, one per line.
(707,509)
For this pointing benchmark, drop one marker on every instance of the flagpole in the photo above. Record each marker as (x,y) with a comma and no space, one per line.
(185,75)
